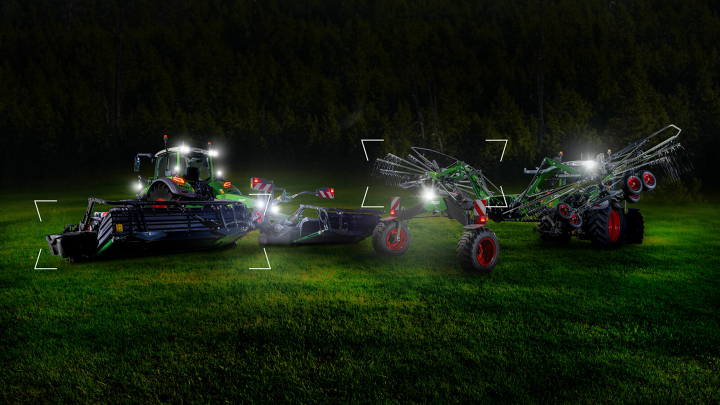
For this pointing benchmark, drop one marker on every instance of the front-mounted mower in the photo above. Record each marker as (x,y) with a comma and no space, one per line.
(582,199)
(187,205)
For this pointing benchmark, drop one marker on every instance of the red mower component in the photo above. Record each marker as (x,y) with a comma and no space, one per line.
(563,211)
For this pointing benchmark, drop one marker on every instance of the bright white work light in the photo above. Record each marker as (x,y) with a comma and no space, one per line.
(213,153)
(275,209)
(589,164)
(428,194)
(219,173)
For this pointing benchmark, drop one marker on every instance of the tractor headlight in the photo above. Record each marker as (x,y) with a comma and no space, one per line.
(184,149)
(219,173)
(589,164)
(213,153)
(275,209)
(138,185)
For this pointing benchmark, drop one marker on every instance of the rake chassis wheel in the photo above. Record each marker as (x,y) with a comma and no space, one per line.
(389,239)
(478,250)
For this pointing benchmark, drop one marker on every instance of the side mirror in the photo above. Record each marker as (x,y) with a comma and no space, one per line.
(260,184)
(137,163)
(325,192)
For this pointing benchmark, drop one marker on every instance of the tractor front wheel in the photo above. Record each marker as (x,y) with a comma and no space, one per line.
(478,250)
(389,239)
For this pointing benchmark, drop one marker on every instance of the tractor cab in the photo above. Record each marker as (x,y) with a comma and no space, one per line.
(183,173)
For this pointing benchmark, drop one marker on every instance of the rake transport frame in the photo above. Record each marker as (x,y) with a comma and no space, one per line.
(566,199)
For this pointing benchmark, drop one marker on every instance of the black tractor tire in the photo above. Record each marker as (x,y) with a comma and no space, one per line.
(159,191)
(550,239)
(649,180)
(388,240)
(632,199)
(478,250)
(635,226)
(605,228)
(632,184)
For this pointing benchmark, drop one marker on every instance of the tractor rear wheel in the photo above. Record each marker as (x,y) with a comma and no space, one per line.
(478,250)
(549,238)
(605,228)
(635,226)
(388,239)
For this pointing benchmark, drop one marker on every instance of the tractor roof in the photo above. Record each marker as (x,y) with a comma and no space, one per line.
(177,149)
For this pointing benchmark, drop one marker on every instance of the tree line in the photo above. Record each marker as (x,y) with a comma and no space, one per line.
(86,84)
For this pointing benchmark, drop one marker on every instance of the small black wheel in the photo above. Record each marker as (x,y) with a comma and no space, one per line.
(605,228)
(548,237)
(575,221)
(389,239)
(635,226)
(563,211)
(648,180)
(632,184)
(632,198)
(478,250)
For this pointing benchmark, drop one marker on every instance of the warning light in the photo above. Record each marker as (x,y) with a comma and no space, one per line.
(179,180)
(227,184)
(392,213)
(480,219)
(332,190)
(164,136)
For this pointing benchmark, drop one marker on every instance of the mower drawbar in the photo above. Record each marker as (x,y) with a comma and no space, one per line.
(143,227)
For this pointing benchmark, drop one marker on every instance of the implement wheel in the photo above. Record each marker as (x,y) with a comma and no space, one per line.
(635,230)
(478,250)
(388,239)
(606,228)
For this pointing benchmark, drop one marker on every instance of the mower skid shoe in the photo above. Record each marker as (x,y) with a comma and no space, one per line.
(73,244)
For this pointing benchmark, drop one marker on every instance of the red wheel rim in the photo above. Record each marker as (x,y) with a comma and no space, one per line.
(614,226)
(575,219)
(394,242)
(564,210)
(634,183)
(649,178)
(259,217)
(485,251)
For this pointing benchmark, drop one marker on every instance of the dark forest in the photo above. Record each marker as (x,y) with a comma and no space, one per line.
(86,84)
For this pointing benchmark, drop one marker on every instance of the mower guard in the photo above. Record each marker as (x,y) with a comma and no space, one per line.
(144,227)
(333,225)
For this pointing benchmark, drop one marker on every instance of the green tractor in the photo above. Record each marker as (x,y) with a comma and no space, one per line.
(184,173)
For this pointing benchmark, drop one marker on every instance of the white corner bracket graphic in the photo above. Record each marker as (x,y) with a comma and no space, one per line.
(263,268)
(499,140)
(42,268)
(362,205)
(504,199)
(362,141)
(38,209)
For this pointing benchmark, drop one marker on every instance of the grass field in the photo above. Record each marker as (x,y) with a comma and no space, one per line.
(341,324)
